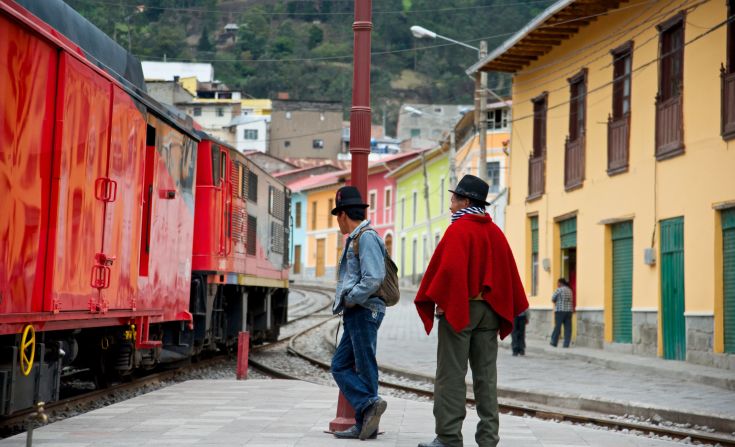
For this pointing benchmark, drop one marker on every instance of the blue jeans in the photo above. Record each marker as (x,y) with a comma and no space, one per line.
(354,366)
(562,318)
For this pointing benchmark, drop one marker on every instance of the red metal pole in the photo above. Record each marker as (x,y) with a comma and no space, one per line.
(360,112)
(359,143)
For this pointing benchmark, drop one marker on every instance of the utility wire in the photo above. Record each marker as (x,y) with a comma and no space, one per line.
(404,50)
(636,70)
(308,14)
(602,55)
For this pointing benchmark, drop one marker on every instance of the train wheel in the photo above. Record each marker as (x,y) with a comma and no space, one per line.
(27,349)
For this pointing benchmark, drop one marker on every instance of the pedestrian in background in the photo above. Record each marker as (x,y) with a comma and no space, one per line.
(354,365)
(472,285)
(518,336)
(563,300)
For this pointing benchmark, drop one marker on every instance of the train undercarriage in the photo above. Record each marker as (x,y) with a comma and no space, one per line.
(109,354)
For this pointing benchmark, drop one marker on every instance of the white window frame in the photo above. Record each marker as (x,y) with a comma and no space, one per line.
(373,211)
(388,209)
(415,206)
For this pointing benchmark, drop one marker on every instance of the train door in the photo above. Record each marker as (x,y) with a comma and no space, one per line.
(81,186)
(28,87)
(225,201)
(122,210)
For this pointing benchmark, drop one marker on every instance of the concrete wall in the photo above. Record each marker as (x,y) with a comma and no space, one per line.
(295,125)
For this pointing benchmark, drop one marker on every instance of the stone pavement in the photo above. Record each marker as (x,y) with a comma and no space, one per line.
(274,413)
(589,379)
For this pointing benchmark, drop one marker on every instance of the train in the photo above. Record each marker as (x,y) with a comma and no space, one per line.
(129,238)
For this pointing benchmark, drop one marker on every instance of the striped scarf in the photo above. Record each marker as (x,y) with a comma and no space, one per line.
(468,210)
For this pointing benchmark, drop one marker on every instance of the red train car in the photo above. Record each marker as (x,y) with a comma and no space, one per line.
(99,193)
(240,253)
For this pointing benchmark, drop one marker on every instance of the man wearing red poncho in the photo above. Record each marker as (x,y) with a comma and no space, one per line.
(473,287)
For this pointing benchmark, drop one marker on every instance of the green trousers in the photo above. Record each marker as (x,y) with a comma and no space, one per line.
(477,343)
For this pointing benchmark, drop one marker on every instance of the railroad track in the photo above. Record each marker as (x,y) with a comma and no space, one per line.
(18,422)
(516,408)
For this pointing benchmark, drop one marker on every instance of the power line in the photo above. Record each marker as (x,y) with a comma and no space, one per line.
(404,50)
(636,70)
(616,58)
(309,14)
(564,75)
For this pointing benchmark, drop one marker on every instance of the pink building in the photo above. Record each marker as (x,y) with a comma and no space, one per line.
(381,195)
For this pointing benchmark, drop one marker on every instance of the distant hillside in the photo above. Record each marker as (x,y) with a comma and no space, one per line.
(305,47)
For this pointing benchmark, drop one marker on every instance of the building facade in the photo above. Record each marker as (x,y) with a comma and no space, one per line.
(622,173)
(417,229)
(305,129)
(497,140)
(430,122)
(323,241)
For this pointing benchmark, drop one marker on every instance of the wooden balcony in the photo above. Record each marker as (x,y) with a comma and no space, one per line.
(536,177)
(618,143)
(669,127)
(573,163)
(728,104)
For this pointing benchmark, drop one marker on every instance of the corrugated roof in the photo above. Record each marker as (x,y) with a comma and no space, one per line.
(558,22)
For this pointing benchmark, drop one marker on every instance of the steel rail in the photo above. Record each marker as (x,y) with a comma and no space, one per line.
(520,408)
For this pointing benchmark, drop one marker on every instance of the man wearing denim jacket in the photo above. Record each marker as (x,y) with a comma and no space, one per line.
(354,366)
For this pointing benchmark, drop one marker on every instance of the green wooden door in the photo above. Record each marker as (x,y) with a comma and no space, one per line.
(728,277)
(622,281)
(672,288)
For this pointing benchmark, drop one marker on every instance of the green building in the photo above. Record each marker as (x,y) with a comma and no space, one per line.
(417,229)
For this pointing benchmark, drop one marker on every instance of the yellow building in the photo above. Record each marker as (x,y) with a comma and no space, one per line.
(623,172)
(323,244)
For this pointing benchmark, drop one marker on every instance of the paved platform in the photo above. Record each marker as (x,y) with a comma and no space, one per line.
(276,413)
(590,379)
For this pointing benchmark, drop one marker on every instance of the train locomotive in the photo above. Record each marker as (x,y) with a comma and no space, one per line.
(128,238)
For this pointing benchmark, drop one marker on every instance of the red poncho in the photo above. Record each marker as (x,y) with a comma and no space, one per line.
(472,257)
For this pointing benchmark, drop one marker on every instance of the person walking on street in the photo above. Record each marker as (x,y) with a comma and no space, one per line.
(473,287)
(518,336)
(361,271)
(563,300)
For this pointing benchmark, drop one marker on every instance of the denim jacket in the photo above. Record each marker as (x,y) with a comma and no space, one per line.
(360,276)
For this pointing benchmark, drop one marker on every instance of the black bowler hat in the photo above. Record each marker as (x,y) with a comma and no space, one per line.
(473,188)
(346,197)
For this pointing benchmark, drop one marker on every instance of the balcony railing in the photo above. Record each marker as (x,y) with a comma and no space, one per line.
(618,142)
(536,181)
(669,127)
(728,104)
(573,163)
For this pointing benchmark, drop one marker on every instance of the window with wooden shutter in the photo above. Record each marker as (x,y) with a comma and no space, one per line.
(618,124)
(574,145)
(536,164)
(727,74)
(669,109)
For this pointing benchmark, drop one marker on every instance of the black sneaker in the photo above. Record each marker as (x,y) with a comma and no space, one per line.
(372,418)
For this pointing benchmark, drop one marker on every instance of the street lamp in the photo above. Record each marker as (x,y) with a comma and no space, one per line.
(480,89)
